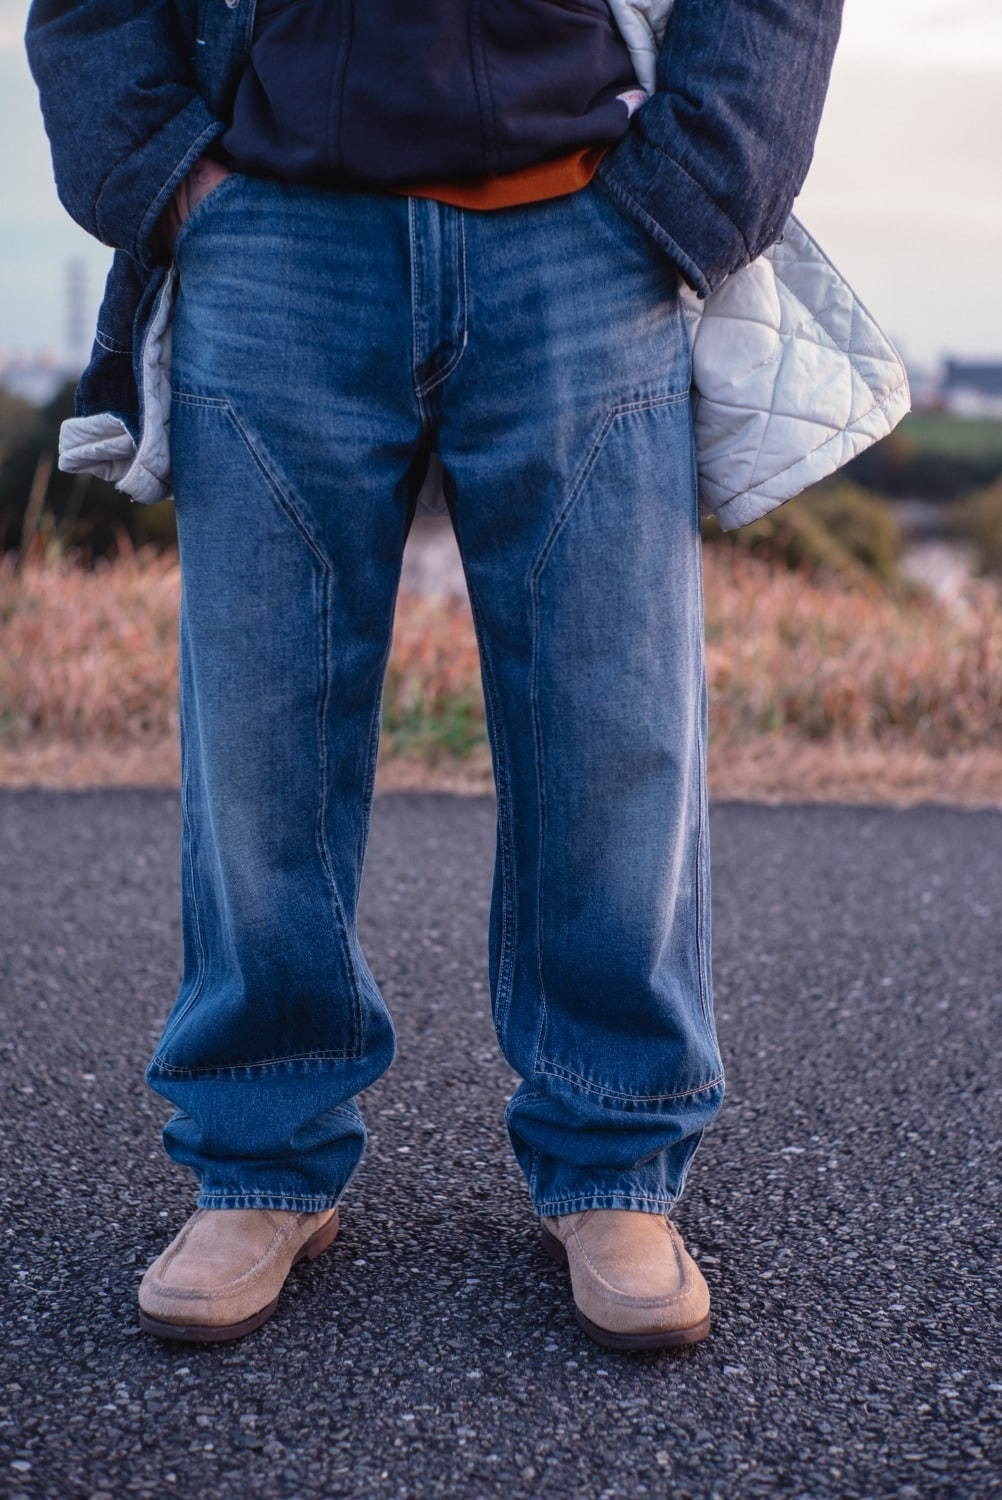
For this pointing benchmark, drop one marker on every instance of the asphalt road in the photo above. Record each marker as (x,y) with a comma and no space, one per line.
(841,1206)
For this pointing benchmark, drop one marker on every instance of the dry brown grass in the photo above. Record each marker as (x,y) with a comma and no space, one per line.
(851,661)
(819,689)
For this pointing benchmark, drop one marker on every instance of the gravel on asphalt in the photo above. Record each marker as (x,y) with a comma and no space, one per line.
(842,1206)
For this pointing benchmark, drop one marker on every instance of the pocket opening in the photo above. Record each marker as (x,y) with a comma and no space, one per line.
(203,204)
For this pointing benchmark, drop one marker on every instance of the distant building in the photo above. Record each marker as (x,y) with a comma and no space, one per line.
(925,382)
(972,388)
(36,376)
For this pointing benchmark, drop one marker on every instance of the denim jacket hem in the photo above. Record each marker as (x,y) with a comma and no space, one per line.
(124,200)
(705,245)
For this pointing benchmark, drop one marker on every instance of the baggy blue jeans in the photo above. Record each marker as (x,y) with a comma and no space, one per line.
(324,344)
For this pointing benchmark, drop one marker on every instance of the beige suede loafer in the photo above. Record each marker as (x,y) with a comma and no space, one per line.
(635,1285)
(222,1275)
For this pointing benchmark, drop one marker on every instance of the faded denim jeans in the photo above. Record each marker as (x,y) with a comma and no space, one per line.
(324,343)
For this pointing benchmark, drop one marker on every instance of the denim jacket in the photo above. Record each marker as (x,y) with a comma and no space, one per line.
(132,93)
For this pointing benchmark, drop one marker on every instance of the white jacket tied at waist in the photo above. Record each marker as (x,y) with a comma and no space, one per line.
(792,377)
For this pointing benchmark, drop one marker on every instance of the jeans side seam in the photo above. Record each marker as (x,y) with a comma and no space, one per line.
(701,857)
(701,885)
(198,984)
(320,826)
(372,752)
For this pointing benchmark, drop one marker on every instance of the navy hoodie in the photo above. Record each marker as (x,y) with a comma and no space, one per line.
(387,92)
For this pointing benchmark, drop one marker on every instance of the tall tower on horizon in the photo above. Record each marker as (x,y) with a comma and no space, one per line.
(76,322)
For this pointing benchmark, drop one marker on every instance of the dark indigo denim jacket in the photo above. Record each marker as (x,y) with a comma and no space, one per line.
(132,91)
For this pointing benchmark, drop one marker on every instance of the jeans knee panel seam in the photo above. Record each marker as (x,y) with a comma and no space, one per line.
(160,1065)
(278,491)
(567,1075)
(621,409)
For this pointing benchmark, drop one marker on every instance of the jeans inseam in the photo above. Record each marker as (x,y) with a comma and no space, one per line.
(508,881)
(496,732)
(372,753)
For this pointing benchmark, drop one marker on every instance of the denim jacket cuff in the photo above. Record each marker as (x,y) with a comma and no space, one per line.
(657,191)
(136,191)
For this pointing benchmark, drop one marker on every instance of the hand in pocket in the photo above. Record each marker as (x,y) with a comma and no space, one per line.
(205,175)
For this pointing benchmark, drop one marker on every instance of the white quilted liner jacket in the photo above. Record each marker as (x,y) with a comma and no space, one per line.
(791,375)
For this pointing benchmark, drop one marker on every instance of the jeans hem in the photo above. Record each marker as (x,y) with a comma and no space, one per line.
(640,1202)
(304,1203)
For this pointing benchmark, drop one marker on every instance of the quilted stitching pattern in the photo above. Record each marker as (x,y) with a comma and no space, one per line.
(102,445)
(642,25)
(792,378)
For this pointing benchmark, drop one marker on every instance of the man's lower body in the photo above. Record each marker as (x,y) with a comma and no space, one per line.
(324,344)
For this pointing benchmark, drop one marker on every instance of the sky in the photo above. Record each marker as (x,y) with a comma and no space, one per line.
(905,192)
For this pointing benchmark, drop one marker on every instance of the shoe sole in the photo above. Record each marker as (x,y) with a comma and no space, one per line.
(668,1338)
(226,1333)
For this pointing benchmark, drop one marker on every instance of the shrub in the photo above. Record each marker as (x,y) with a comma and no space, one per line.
(979,520)
(834,529)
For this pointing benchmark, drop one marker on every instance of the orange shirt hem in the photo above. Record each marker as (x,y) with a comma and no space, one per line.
(547,179)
